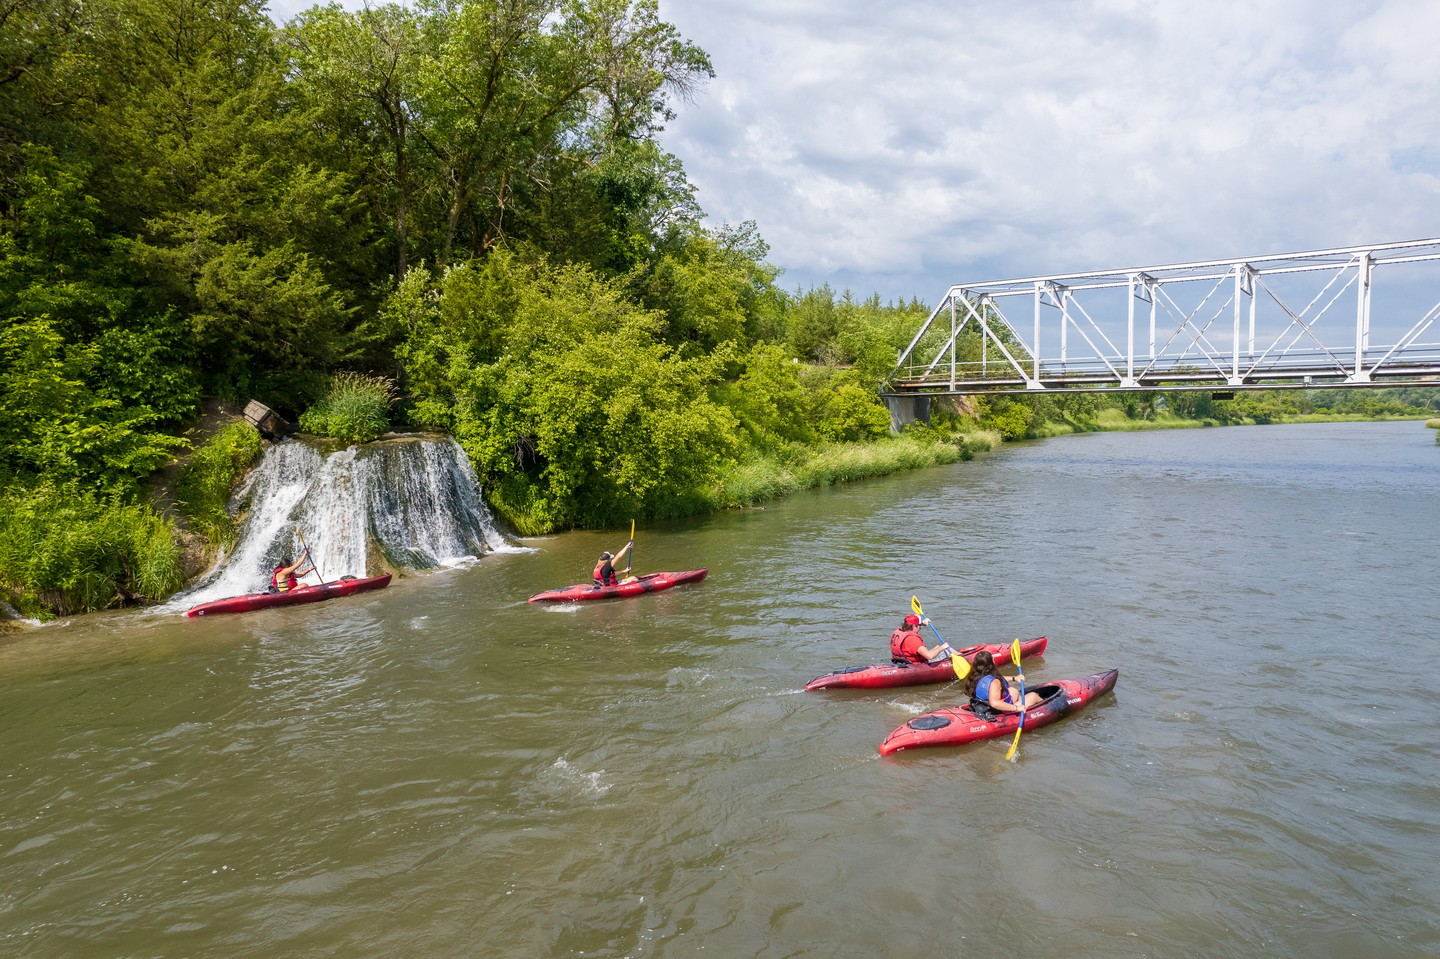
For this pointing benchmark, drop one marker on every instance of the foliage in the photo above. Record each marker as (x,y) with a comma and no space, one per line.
(770,398)
(571,408)
(1013,418)
(67,549)
(211,476)
(53,423)
(355,409)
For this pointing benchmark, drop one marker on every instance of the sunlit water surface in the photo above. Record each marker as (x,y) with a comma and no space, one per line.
(440,769)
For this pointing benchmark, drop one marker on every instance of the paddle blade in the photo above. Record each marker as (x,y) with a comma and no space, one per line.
(1014,743)
(1015,651)
(915,605)
(960,664)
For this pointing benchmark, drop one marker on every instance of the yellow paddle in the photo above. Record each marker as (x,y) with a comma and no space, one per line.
(1015,658)
(630,556)
(957,662)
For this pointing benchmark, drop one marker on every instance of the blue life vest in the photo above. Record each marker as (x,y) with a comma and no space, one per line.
(982,688)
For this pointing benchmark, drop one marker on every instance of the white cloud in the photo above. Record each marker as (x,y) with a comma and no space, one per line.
(900,148)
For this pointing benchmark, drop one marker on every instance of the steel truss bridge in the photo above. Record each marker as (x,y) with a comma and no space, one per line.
(1287,321)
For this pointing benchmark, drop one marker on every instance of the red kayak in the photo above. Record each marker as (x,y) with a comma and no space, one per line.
(649,583)
(293,597)
(882,675)
(957,725)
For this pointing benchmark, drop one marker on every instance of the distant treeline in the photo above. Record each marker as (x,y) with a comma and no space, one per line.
(442,215)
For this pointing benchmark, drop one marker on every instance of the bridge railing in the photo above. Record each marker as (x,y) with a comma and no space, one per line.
(1263,322)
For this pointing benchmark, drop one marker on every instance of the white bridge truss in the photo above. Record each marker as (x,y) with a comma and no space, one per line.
(1288,321)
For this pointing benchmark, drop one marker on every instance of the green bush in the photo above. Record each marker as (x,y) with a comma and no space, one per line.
(356,408)
(211,476)
(66,550)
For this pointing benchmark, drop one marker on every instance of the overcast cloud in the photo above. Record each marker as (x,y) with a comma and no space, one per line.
(898,148)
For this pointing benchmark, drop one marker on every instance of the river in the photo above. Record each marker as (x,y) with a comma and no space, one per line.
(440,769)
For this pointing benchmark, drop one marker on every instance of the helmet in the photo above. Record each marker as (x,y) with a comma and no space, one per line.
(912,620)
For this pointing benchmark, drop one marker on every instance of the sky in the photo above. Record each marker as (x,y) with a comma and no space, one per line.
(900,148)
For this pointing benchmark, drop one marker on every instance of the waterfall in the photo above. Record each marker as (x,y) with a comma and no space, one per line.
(406,503)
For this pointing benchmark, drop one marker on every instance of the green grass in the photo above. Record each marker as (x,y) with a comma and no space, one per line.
(356,408)
(67,550)
(771,477)
(211,476)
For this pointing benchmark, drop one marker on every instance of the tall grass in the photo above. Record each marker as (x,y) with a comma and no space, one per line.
(67,550)
(771,477)
(211,476)
(356,408)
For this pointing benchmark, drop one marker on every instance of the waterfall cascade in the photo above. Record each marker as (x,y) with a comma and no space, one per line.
(406,503)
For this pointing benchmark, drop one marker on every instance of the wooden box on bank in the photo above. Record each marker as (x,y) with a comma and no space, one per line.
(264,419)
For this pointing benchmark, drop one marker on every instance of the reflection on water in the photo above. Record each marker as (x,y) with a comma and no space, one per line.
(441,769)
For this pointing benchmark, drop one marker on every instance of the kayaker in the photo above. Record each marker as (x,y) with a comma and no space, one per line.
(286,578)
(604,573)
(907,645)
(988,690)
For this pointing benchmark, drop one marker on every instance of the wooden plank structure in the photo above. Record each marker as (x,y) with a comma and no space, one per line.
(266,420)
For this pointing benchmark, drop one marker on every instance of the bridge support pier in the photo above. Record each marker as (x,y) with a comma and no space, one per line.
(906,409)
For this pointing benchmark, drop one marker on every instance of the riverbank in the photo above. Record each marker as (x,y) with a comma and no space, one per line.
(751,484)
(748,485)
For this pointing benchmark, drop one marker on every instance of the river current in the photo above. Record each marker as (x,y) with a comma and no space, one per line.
(440,769)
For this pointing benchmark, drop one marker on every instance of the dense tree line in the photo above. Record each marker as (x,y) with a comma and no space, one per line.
(462,204)
(447,214)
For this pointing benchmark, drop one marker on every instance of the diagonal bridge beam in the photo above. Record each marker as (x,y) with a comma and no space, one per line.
(1216,324)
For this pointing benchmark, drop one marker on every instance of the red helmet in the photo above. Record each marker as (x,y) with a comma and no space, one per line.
(912,620)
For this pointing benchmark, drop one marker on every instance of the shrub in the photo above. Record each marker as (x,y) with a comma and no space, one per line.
(211,476)
(355,409)
(67,550)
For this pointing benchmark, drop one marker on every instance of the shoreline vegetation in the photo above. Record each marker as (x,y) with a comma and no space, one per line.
(162,548)
(317,216)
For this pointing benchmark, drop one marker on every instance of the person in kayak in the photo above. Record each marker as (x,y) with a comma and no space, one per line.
(907,646)
(286,578)
(604,573)
(992,693)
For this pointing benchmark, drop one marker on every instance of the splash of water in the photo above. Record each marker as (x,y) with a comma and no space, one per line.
(408,503)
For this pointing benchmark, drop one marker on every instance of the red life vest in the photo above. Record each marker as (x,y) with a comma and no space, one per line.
(905,645)
(290,581)
(604,573)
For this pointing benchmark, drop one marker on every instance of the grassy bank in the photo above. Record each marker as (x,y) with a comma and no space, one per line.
(768,478)
(1113,420)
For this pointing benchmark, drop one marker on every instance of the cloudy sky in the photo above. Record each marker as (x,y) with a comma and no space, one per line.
(898,148)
